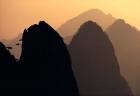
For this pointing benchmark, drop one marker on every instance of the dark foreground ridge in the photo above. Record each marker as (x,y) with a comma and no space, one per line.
(44,68)
(95,65)
(12,76)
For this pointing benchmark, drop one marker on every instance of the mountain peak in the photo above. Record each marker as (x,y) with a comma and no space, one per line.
(1,45)
(120,21)
(94,12)
(121,25)
(90,25)
(70,27)
(43,23)
(89,30)
(110,15)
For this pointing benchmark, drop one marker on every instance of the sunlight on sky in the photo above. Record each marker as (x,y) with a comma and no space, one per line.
(18,14)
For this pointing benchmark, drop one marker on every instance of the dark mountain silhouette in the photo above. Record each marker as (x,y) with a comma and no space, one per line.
(126,41)
(48,62)
(95,65)
(44,68)
(12,79)
(70,27)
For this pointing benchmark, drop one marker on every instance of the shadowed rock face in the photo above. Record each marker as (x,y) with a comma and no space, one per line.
(48,62)
(95,65)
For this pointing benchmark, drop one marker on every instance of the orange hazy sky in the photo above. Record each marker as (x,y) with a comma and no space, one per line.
(15,15)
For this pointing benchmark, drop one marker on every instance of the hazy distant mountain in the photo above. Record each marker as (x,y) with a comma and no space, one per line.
(95,65)
(70,27)
(126,41)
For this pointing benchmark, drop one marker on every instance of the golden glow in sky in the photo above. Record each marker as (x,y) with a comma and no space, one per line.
(15,15)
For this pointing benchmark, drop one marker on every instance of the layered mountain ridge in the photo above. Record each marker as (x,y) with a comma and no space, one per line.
(95,65)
